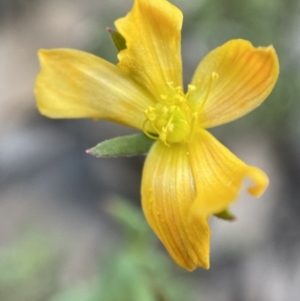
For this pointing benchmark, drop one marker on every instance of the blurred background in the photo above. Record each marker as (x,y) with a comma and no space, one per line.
(71,228)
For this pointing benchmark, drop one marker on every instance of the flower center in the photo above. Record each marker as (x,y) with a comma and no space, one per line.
(170,119)
(173,118)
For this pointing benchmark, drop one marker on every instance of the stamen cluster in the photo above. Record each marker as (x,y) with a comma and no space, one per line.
(170,119)
(173,119)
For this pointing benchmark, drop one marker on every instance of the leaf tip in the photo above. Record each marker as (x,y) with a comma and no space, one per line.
(89,151)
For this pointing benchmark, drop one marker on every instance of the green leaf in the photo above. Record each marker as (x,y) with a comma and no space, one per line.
(226,215)
(117,39)
(132,145)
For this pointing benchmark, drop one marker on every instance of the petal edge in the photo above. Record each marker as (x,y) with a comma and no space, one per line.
(219,175)
(246,77)
(152,30)
(168,192)
(76,84)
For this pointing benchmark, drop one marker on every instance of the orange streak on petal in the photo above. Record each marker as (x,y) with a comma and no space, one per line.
(247,76)
(152,30)
(75,84)
(168,192)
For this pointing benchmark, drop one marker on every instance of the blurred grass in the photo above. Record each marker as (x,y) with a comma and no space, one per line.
(28,269)
(133,270)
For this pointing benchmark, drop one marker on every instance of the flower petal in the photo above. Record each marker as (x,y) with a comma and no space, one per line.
(246,76)
(168,192)
(152,30)
(219,175)
(75,84)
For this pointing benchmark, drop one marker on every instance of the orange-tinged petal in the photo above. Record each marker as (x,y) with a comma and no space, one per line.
(75,84)
(246,76)
(152,30)
(168,192)
(219,175)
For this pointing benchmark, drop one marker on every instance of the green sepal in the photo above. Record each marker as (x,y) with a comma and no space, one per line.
(132,145)
(117,39)
(226,215)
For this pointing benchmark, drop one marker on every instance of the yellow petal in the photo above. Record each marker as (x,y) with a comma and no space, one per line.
(168,192)
(246,76)
(219,175)
(152,30)
(75,84)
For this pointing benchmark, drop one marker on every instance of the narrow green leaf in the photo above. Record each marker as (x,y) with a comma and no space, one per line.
(226,215)
(132,145)
(117,39)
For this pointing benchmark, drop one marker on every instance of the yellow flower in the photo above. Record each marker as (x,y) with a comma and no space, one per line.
(188,174)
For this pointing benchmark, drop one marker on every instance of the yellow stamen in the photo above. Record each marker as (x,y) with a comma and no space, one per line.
(214,76)
(146,132)
(191,88)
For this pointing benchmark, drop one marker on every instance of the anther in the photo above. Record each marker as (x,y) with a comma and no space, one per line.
(171,127)
(191,88)
(165,110)
(214,76)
